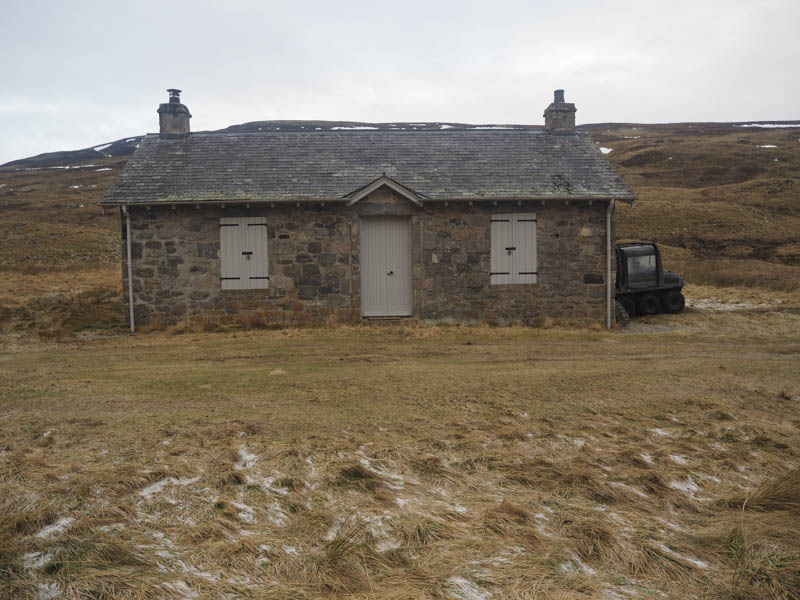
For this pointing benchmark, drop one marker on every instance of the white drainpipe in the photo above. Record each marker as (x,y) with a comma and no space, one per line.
(608,263)
(129,259)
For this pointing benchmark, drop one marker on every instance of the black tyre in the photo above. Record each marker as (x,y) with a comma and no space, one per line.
(649,304)
(673,302)
(622,316)
(629,305)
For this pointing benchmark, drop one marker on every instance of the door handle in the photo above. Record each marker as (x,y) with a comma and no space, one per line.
(247,254)
(390,273)
(510,249)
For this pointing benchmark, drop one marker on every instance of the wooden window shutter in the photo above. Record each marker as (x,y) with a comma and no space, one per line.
(257,263)
(244,263)
(525,242)
(513,248)
(501,253)
(230,254)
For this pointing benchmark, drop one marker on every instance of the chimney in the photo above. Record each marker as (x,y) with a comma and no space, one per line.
(559,117)
(173,117)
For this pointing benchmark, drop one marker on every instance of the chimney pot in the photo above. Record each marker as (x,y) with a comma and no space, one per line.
(173,117)
(174,96)
(558,96)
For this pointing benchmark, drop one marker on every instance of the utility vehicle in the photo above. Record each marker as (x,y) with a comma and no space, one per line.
(643,286)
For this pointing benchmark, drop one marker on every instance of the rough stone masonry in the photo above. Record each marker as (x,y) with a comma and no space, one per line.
(314,263)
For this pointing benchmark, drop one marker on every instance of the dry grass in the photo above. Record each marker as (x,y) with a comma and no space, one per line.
(739,273)
(397,462)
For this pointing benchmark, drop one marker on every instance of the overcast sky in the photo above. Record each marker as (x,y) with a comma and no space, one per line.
(80,73)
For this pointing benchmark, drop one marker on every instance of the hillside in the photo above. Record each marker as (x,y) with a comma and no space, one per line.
(723,198)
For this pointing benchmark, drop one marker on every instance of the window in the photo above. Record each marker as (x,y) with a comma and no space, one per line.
(513,249)
(244,263)
(642,270)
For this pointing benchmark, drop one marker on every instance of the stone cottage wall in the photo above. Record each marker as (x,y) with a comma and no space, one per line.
(314,263)
(177,272)
(571,259)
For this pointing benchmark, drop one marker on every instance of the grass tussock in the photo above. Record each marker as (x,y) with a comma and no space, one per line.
(781,493)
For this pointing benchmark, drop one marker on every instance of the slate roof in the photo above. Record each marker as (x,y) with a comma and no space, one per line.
(330,165)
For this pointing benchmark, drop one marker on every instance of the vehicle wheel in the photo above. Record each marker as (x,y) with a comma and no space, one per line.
(649,304)
(621,315)
(673,302)
(629,305)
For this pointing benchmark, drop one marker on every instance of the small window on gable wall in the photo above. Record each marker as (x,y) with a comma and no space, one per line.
(244,264)
(513,249)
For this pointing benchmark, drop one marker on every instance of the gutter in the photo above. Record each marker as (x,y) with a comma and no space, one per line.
(423,199)
(608,263)
(129,260)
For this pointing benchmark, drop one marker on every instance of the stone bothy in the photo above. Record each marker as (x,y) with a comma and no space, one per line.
(307,222)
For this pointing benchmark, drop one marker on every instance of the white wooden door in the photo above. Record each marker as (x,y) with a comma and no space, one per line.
(386,267)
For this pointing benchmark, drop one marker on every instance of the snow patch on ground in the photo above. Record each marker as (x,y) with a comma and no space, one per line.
(575,564)
(158,486)
(671,525)
(246,461)
(769,125)
(35,560)
(387,544)
(265,483)
(678,460)
(687,487)
(277,516)
(768,146)
(625,486)
(660,432)
(246,513)
(183,590)
(48,591)
(56,527)
(697,563)
(463,589)
(397,480)
(101,148)
(709,304)
(647,458)
(104,169)
(351,128)
(606,150)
